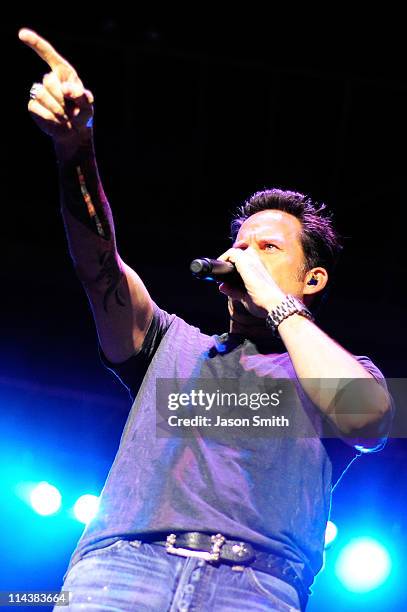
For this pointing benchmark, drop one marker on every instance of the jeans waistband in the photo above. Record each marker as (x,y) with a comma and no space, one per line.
(216,548)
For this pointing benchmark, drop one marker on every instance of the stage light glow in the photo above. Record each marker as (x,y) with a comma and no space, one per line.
(86,507)
(363,565)
(45,499)
(330,533)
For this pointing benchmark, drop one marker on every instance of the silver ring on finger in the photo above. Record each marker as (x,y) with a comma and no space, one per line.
(35,90)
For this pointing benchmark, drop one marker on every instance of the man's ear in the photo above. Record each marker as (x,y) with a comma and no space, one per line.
(315,281)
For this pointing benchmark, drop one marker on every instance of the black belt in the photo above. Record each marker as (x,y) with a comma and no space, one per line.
(218,549)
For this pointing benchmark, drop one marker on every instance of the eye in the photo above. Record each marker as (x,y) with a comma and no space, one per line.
(269,246)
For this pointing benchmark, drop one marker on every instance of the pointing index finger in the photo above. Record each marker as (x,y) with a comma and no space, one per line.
(44,49)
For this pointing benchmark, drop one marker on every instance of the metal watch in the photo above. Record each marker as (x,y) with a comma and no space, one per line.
(289,306)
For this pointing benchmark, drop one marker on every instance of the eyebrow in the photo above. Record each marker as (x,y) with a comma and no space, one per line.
(271,239)
(264,239)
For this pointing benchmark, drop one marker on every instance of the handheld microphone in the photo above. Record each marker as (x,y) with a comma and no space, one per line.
(216,270)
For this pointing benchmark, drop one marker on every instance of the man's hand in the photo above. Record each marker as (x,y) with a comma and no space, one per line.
(62,107)
(262,292)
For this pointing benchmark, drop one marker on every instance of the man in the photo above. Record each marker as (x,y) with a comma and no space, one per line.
(195,520)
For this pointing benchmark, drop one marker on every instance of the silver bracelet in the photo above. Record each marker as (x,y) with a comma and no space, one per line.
(289,306)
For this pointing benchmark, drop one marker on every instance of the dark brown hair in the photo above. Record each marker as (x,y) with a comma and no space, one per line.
(320,241)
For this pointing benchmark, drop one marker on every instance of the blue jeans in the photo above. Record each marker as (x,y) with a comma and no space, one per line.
(145,578)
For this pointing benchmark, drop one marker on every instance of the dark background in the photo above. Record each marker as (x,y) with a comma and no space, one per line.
(194,112)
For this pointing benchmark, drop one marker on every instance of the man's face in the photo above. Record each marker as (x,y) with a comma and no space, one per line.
(276,237)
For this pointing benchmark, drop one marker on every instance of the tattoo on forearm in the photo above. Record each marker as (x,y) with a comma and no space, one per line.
(112,274)
(88,201)
(83,196)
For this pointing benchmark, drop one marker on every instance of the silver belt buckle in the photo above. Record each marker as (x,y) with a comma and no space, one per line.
(213,555)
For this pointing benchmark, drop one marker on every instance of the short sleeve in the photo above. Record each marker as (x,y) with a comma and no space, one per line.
(132,371)
(340,450)
(368,364)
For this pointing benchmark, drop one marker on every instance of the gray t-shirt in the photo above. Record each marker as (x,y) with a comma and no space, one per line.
(274,492)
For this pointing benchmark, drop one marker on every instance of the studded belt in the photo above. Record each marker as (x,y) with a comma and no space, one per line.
(218,549)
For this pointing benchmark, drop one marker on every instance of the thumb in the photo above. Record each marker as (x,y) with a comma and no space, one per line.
(72,90)
(77,93)
(89,96)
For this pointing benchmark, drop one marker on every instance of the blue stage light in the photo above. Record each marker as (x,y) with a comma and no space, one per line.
(45,499)
(363,565)
(86,507)
(330,533)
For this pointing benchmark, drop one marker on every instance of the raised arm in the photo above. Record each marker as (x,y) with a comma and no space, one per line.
(63,109)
